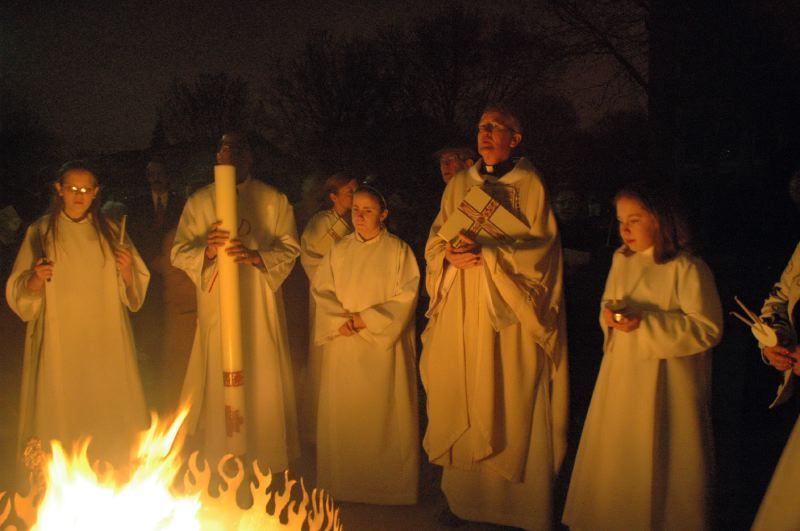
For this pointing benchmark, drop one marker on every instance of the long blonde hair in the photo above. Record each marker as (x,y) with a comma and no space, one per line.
(99,220)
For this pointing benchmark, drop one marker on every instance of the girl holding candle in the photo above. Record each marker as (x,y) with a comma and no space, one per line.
(73,282)
(365,290)
(645,456)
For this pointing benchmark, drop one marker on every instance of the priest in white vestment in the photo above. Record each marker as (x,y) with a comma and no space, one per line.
(367,431)
(779,509)
(325,228)
(266,250)
(494,360)
(74,283)
(646,452)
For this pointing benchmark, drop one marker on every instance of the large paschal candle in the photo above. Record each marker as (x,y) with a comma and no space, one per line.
(230,313)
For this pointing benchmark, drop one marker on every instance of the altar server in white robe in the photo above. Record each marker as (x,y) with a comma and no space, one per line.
(365,290)
(645,456)
(494,359)
(779,509)
(325,228)
(266,250)
(74,283)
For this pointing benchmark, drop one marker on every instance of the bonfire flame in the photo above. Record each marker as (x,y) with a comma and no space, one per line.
(77,496)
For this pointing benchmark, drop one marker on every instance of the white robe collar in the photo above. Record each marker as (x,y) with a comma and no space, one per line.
(87,219)
(370,241)
(520,171)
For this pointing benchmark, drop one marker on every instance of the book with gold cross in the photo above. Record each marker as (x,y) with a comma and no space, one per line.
(483,219)
(338,230)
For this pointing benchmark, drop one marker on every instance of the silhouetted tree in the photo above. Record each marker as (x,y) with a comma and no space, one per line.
(202,109)
(450,66)
(28,149)
(158,139)
(383,105)
(617,153)
(613,28)
(330,105)
(550,135)
(717,76)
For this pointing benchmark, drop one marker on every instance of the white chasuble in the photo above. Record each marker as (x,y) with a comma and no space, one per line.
(367,428)
(779,509)
(266,225)
(324,229)
(494,361)
(80,373)
(645,455)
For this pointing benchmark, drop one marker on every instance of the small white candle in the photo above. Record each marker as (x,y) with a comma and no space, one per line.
(122,229)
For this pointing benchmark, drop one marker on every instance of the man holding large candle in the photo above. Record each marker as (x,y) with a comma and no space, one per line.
(265,248)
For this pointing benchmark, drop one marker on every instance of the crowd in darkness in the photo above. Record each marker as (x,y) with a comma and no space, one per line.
(744,221)
(745,258)
(350,151)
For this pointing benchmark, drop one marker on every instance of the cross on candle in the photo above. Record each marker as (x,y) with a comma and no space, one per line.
(233,421)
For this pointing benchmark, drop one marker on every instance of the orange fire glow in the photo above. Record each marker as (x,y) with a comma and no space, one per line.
(146,496)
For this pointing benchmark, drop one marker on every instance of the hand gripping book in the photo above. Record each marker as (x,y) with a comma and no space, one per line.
(483,219)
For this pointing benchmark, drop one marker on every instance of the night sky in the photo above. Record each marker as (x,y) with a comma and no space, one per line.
(96,75)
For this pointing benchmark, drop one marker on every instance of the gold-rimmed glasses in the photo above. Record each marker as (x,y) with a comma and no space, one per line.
(80,189)
(492,127)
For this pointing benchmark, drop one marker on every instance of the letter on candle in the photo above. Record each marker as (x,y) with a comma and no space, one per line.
(230,313)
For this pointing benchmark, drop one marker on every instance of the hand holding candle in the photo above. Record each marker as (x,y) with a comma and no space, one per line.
(217,237)
(44,261)
(244,255)
(617,314)
(124,260)
(43,270)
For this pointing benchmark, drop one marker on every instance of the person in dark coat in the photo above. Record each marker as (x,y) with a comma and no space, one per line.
(151,215)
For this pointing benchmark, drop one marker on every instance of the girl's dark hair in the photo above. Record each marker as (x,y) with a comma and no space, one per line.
(99,220)
(364,188)
(332,185)
(672,235)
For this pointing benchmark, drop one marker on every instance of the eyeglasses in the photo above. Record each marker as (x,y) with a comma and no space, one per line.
(79,189)
(491,127)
